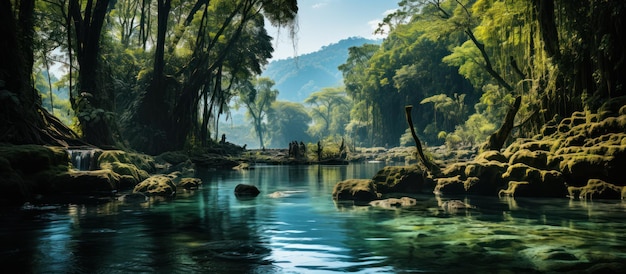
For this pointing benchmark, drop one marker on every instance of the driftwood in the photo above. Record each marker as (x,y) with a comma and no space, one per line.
(418,144)
(497,139)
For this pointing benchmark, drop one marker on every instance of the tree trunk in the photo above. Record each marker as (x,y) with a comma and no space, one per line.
(22,119)
(418,144)
(95,101)
(497,139)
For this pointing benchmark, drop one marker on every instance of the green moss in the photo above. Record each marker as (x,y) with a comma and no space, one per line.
(363,190)
(131,170)
(140,161)
(404,179)
(543,145)
(157,185)
(30,159)
(537,159)
(491,155)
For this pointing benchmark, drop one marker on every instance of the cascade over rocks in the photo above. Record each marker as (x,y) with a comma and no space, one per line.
(31,173)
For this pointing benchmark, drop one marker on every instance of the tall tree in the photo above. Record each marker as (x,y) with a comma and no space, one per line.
(329,106)
(287,121)
(23,120)
(211,32)
(94,102)
(257,97)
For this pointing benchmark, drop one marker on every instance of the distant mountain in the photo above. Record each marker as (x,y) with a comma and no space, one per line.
(298,77)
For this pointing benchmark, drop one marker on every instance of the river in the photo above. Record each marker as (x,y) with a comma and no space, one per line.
(300,229)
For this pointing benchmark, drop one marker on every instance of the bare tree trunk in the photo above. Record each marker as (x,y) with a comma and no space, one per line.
(418,144)
(497,139)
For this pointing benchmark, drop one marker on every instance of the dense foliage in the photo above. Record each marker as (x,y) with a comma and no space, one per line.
(158,75)
(444,56)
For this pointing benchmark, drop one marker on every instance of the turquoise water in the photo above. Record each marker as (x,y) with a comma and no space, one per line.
(301,230)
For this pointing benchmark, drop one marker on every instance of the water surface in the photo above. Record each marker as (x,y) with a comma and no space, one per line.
(299,229)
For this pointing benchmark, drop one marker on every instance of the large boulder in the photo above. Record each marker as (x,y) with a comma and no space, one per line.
(140,161)
(357,190)
(29,170)
(245,190)
(133,168)
(156,185)
(400,179)
(83,182)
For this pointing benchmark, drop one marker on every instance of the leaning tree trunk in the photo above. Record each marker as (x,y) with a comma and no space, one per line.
(497,139)
(418,144)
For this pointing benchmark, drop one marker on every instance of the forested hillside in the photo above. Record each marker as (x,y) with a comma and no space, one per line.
(297,77)
(157,76)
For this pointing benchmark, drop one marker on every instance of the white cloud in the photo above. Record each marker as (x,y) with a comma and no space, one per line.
(319,5)
(374,25)
(389,11)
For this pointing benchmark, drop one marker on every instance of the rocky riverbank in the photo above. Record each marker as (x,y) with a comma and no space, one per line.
(580,157)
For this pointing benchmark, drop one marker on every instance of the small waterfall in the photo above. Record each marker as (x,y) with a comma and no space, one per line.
(83,159)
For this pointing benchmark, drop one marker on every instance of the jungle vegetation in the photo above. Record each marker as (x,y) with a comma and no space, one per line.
(157,75)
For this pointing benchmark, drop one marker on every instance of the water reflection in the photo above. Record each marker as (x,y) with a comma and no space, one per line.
(300,229)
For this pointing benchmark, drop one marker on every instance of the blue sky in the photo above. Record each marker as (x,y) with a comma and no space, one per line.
(323,22)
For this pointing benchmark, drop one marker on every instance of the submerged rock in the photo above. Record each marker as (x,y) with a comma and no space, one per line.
(131,198)
(453,206)
(244,190)
(394,202)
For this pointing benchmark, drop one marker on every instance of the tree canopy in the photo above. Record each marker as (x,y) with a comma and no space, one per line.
(157,75)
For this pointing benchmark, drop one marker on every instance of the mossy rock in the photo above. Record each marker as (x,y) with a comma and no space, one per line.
(81,182)
(578,168)
(537,159)
(156,185)
(357,190)
(542,183)
(27,170)
(141,161)
(455,169)
(617,139)
(174,157)
(30,159)
(399,179)
(455,185)
(539,145)
(190,183)
(515,146)
(133,173)
(489,173)
(596,188)
(491,155)
(608,125)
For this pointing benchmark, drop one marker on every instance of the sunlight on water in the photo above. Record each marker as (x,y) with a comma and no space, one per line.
(293,226)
